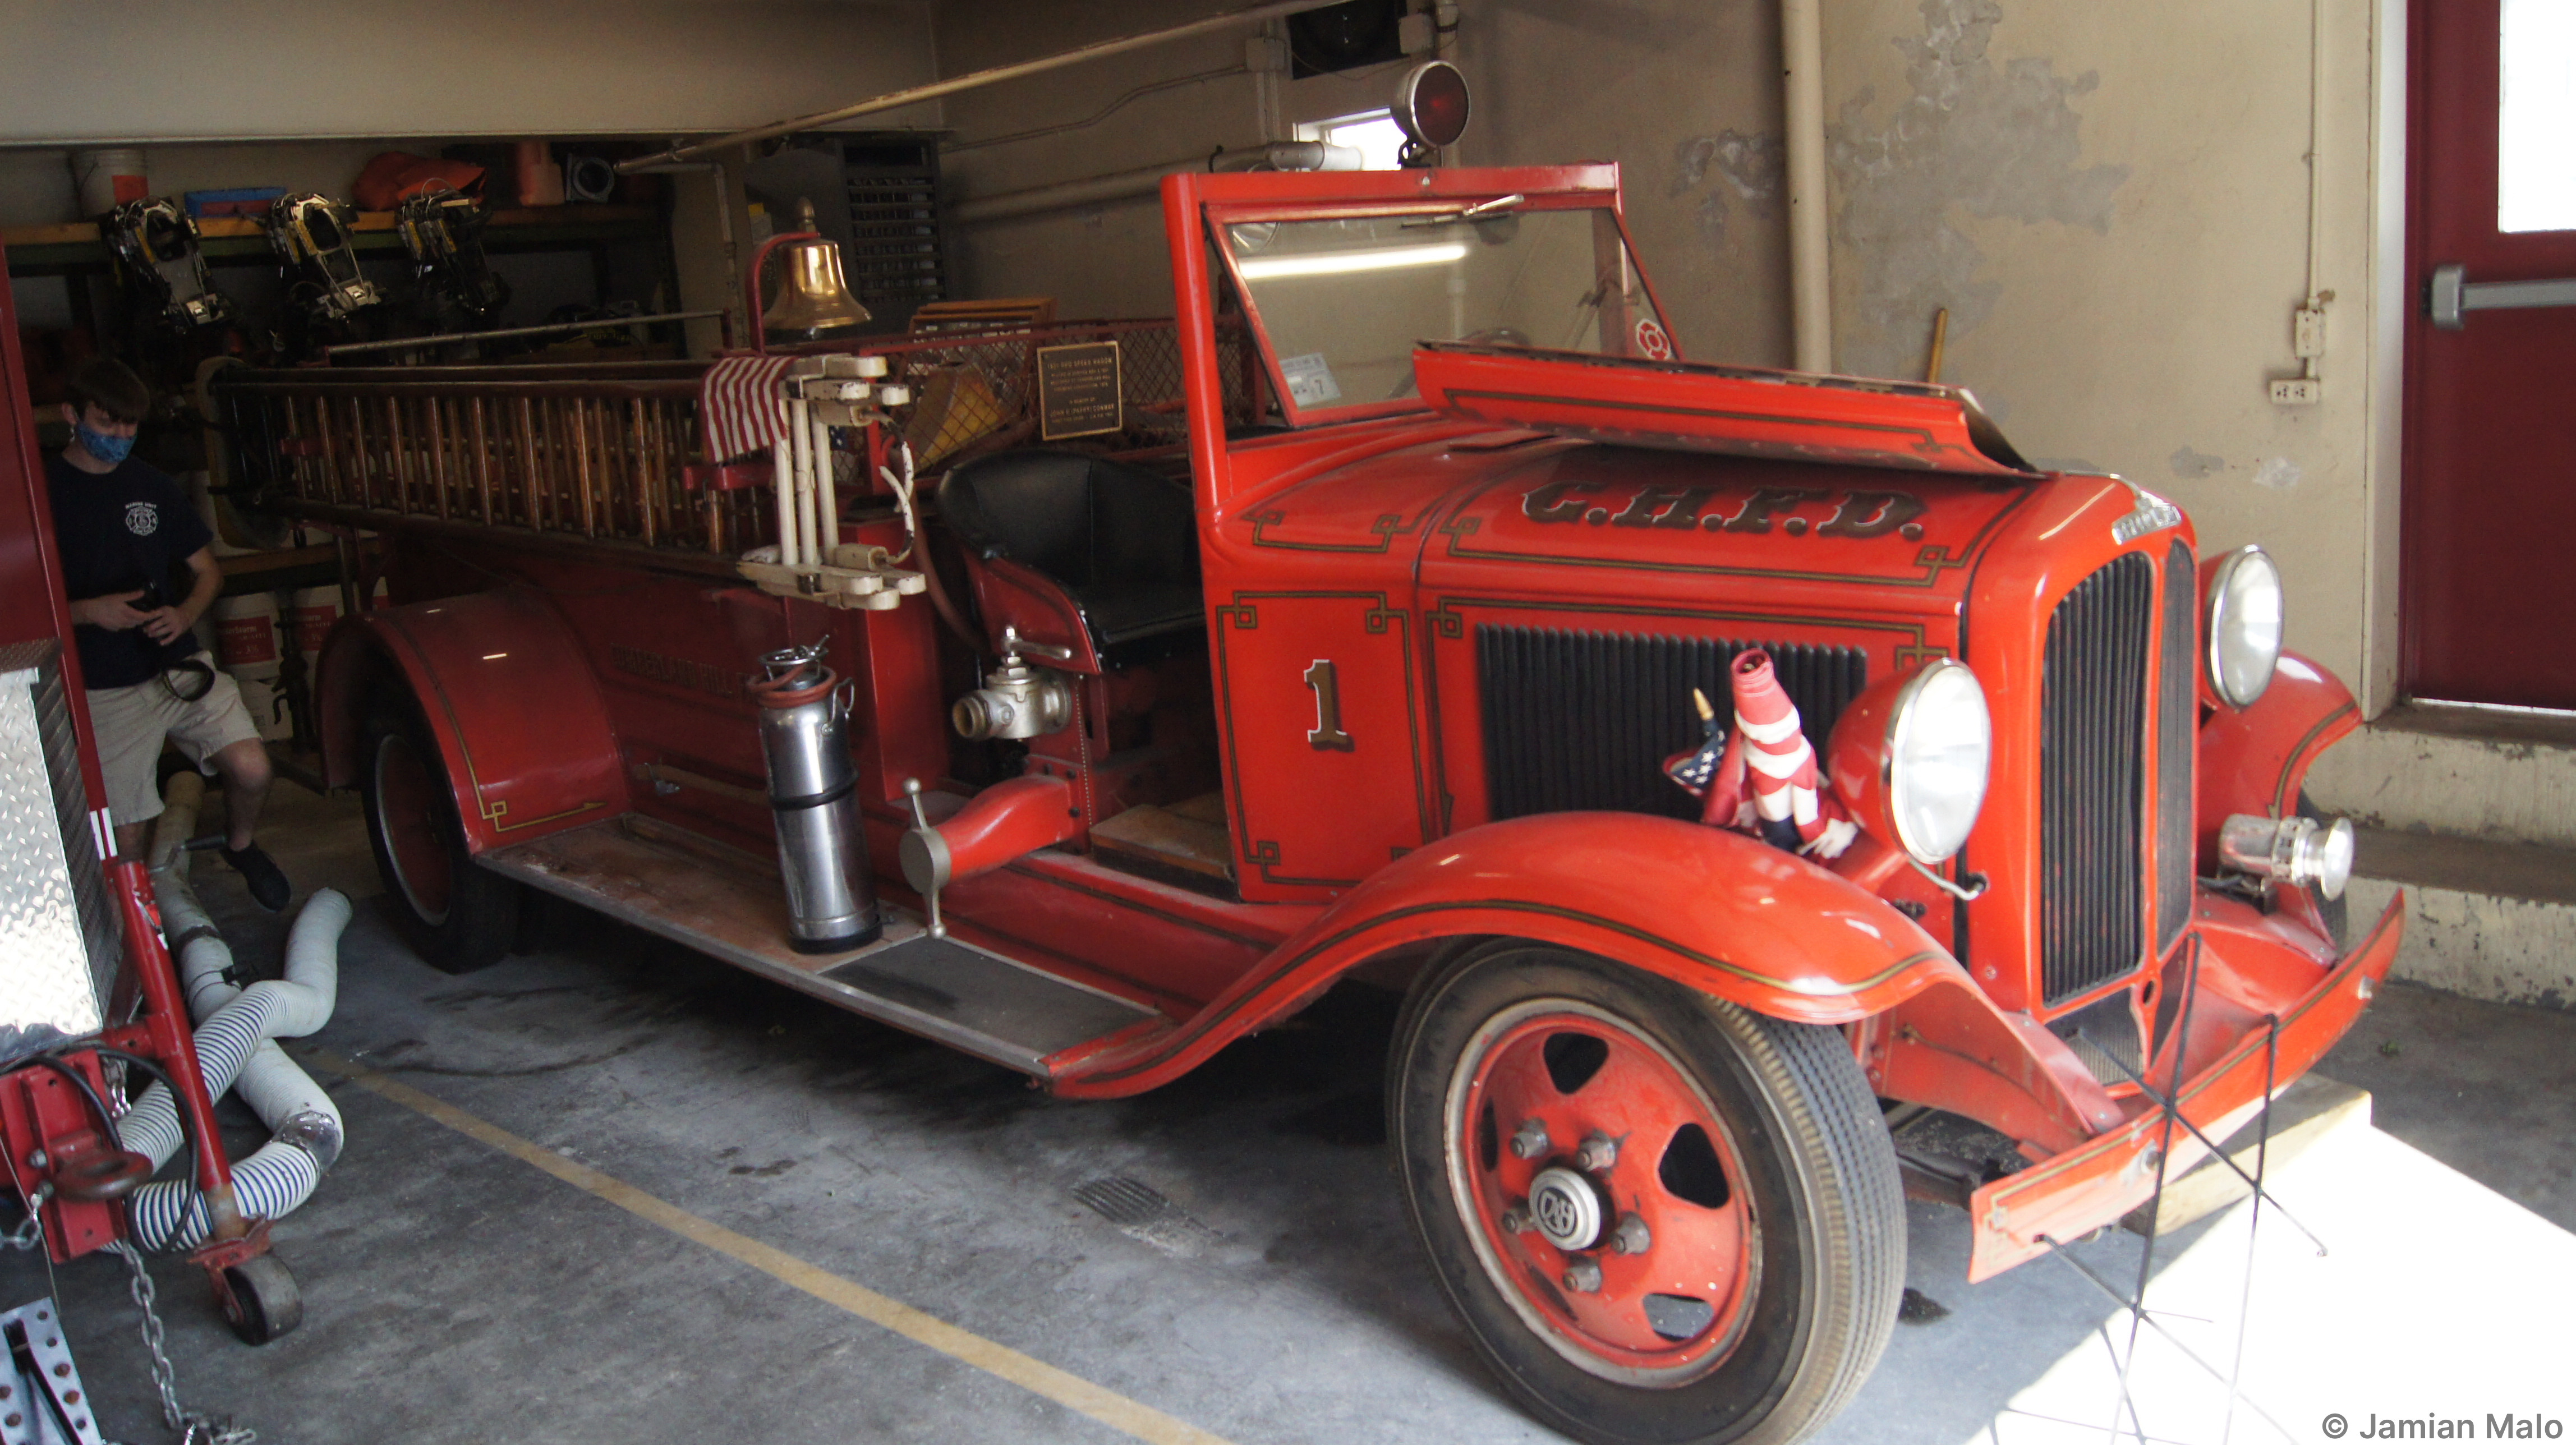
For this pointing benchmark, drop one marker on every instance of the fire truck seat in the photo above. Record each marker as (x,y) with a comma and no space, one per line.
(1120,541)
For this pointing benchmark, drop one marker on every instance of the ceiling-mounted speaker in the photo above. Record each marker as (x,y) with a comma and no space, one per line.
(1345,37)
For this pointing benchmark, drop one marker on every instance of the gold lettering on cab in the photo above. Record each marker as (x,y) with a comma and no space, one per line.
(677,671)
(1828,512)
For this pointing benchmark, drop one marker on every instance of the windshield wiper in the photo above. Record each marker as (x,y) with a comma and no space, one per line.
(1481,211)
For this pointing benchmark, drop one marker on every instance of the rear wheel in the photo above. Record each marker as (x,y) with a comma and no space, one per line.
(1663,1219)
(457,916)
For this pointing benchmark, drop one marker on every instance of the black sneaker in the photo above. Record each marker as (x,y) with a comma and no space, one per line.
(268,886)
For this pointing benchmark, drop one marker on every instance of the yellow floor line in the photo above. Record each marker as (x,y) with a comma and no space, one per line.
(1071,1391)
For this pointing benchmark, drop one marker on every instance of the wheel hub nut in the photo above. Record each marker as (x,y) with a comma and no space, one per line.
(1631,1235)
(1530,1140)
(1598,1153)
(1583,1276)
(1516,1220)
(1566,1208)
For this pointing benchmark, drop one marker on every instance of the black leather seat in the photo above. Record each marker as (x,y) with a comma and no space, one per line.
(1121,541)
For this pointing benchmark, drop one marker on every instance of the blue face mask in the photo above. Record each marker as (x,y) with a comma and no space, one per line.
(109,449)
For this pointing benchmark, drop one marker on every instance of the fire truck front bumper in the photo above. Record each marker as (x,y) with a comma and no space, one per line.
(2246,1028)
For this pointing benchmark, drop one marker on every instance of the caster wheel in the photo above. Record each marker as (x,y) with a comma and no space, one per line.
(266,1303)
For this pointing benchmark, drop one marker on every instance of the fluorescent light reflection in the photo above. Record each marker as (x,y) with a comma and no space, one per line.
(1344,263)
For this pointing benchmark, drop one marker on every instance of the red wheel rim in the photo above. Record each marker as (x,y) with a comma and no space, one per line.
(1664,1314)
(407,815)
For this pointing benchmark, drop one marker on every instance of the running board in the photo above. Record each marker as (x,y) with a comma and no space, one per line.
(969,998)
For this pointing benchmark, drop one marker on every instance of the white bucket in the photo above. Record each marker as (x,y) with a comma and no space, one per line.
(266,701)
(246,633)
(109,178)
(310,613)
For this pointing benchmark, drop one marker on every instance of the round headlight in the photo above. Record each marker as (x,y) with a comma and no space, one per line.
(1939,743)
(2244,624)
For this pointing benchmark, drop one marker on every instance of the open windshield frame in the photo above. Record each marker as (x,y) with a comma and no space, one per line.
(1219,215)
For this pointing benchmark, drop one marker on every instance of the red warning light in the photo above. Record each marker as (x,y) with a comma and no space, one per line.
(1431,104)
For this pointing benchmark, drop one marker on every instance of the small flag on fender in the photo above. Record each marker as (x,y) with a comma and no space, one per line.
(1694,770)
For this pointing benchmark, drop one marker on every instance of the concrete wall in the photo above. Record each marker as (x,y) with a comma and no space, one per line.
(93,70)
(1109,259)
(2111,201)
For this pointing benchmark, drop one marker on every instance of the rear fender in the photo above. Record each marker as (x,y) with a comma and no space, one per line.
(2252,760)
(1713,910)
(504,687)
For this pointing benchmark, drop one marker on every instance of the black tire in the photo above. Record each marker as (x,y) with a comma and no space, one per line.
(1822,1245)
(456,915)
(266,1302)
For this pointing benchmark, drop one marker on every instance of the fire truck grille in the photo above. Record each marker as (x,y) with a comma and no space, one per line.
(2177,738)
(1584,720)
(2092,754)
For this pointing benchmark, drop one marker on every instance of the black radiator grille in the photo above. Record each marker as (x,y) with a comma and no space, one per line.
(1583,720)
(2177,729)
(2092,750)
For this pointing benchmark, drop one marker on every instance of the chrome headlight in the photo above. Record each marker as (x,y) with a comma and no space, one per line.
(1909,759)
(2297,851)
(1939,743)
(2244,617)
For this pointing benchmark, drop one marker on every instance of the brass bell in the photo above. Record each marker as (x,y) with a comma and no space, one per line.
(813,300)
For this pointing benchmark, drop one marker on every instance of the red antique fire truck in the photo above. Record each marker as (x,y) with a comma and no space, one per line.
(1332,651)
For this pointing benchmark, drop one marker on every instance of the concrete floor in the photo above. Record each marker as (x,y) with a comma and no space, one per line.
(455,1293)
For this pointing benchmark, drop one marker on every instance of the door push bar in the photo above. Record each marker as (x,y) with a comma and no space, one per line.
(2450,298)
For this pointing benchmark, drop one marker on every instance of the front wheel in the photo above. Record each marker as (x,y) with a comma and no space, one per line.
(1664,1220)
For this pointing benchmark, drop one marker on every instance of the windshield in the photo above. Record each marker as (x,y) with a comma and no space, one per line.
(1341,303)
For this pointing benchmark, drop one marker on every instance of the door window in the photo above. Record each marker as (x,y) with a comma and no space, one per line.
(2536,124)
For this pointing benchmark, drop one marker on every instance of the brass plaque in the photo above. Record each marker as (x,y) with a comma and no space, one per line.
(1078,392)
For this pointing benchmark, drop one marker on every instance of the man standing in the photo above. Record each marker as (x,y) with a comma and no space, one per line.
(139,571)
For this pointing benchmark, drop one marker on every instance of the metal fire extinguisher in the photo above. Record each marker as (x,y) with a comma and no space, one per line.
(804,725)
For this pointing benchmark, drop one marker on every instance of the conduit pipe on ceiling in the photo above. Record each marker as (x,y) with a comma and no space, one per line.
(893,100)
(1295,155)
(235,1034)
(1802,62)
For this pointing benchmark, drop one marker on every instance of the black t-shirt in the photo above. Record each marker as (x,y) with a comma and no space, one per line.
(126,529)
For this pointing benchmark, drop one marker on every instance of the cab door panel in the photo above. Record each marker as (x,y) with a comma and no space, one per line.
(1322,729)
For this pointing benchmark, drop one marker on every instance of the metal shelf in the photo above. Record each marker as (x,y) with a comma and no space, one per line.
(242,240)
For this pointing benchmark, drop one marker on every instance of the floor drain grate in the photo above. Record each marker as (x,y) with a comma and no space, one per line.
(1125,1203)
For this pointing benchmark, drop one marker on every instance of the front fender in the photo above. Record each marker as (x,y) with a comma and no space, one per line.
(2253,759)
(506,691)
(1712,910)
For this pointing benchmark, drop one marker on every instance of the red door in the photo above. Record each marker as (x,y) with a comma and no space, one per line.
(2490,471)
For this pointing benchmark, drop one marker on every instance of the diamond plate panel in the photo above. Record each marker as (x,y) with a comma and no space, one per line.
(47,990)
(98,918)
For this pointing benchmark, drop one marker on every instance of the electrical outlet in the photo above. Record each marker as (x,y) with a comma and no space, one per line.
(2308,332)
(2298,391)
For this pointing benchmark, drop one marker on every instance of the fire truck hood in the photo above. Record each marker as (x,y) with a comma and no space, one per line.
(1733,410)
(1589,512)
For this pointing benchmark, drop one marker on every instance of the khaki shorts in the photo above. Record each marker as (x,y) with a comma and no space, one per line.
(132,721)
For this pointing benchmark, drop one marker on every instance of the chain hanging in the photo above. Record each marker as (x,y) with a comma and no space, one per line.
(194,1429)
